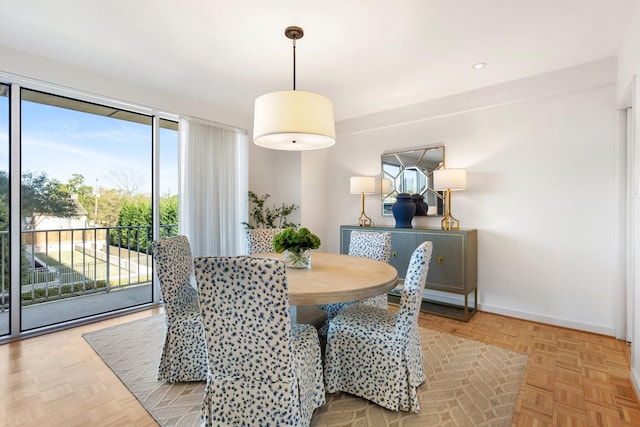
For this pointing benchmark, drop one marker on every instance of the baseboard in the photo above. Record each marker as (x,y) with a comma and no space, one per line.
(635,381)
(453,299)
(565,323)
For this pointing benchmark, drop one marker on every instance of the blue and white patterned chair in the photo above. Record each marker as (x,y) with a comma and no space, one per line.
(184,355)
(375,353)
(366,244)
(260,240)
(262,369)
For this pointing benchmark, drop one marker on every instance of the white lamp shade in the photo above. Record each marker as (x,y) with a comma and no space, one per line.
(293,120)
(362,184)
(449,179)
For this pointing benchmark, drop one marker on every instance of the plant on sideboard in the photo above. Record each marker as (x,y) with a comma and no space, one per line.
(263,216)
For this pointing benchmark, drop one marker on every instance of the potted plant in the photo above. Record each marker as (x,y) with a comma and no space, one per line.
(296,245)
(263,216)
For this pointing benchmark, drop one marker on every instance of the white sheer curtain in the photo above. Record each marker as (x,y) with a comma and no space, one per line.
(213,181)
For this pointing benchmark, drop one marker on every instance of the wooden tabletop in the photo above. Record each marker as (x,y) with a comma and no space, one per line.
(337,278)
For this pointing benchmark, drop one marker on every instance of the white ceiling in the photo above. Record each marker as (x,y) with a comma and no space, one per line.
(366,55)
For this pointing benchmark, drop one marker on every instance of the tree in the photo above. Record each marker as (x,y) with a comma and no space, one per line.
(39,195)
(109,204)
(168,215)
(43,197)
(135,215)
(127,181)
(103,209)
(85,193)
(4,210)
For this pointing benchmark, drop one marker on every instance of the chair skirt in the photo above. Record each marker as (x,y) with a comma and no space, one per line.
(184,354)
(245,401)
(366,358)
(381,301)
(308,363)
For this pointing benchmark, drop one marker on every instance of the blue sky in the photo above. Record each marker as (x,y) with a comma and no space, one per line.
(62,142)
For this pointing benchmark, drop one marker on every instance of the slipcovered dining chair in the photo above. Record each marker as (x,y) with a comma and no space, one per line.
(262,369)
(366,244)
(260,240)
(375,353)
(184,354)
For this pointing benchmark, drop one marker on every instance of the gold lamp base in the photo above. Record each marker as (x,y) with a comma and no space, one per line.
(449,222)
(364,220)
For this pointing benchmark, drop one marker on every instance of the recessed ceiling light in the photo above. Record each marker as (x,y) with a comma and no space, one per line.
(479,65)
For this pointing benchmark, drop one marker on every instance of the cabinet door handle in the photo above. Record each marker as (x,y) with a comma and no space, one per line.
(440,259)
(394,254)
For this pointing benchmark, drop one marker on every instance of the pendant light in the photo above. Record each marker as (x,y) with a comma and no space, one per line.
(293,120)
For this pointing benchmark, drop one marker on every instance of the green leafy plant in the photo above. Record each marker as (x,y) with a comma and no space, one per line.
(295,241)
(263,216)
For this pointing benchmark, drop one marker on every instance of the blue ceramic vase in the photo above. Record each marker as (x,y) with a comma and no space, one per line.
(404,210)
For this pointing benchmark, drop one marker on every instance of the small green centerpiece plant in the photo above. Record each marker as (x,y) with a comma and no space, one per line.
(296,245)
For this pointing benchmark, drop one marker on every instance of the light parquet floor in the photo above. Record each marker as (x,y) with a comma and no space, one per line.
(572,378)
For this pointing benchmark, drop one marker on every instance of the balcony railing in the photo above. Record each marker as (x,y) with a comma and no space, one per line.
(65,263)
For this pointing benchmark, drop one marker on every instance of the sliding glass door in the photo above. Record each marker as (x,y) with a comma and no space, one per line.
(86,184)
(85,211)
(5,261)
(168,178)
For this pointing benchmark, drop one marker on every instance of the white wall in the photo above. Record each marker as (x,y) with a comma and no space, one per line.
(629,54)
(540,154)
(314,193)
(277,173)
(629,93)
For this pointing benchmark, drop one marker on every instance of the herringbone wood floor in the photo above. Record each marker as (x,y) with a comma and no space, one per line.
(572,378)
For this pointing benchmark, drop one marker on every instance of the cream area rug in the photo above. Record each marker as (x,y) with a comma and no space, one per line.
(469,383)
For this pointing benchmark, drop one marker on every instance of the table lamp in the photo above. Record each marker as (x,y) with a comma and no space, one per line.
(363,185)
(449,180)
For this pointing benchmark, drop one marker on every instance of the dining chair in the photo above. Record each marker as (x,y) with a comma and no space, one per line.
(260,240)
(184,354)
(376,353)
(263,370)
(367,244)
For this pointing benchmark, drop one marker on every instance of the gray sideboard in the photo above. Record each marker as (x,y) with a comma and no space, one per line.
(453,268)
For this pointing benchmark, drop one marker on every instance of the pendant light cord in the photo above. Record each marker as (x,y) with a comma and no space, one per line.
(294,33)
(294,64)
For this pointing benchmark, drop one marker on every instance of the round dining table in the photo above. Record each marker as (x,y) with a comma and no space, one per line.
(337,278)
